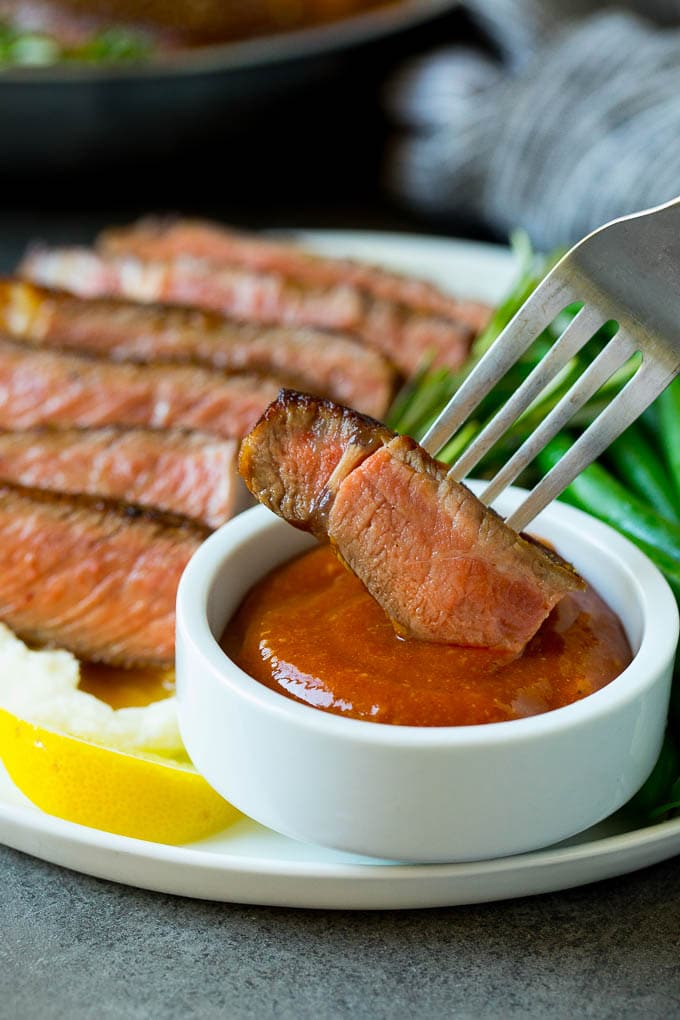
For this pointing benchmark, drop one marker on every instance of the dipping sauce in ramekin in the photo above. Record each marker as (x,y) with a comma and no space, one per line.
(311,631)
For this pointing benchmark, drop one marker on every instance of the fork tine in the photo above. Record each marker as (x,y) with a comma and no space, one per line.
(575,336)
(646,385)
(537,312)
(615,354)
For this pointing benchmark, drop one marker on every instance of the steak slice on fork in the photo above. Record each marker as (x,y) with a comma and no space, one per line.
(444,567)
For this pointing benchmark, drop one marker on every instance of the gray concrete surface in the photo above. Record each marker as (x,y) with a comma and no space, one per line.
(79,948)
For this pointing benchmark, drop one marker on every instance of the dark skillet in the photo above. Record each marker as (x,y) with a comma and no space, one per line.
(67,116)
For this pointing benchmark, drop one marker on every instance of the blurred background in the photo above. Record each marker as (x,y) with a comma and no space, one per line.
(289,130)
(460,118)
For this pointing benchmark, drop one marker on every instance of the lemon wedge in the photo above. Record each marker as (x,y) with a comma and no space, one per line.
(121,770)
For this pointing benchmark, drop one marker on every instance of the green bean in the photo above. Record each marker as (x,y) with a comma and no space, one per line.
(598,492)
(419,400)
(537,411)
(652,799)
(671,805)
(637,464)
(674,709)
(530,273)
(668,565)
(668,406)
(650,419)
(459,442)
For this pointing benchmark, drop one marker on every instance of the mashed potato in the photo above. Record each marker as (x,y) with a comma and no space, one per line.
(41,687)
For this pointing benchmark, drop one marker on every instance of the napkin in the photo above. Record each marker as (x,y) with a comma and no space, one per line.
(575,122)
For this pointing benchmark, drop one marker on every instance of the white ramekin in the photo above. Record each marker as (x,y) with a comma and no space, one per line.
(417,793)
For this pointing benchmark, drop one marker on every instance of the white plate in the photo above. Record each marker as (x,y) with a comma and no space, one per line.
(250,864)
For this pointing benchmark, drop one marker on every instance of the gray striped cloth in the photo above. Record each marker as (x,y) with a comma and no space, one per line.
(577,122)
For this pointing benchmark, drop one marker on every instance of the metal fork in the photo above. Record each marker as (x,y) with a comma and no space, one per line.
(627,271)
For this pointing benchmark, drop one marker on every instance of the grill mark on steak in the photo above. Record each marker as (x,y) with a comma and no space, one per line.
(327,363)
(403,334)
(444,567)
(39,387)
(159,238)
(185,473)
(94,577)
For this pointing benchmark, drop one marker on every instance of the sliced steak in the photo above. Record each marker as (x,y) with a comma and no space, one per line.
(97,578)
(184,473)
(264,298)
(39,387)
(405,335)
(157,238)
(326,363)
(443,566)
(299,452)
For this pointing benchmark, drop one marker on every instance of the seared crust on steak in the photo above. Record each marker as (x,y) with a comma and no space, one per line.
(95,577)
(330,364)
(185,473)
(300,450)
(444,567)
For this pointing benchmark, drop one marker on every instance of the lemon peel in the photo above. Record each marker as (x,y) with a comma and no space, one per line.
(124,770)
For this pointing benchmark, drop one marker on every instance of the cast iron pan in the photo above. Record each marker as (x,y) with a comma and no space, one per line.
(69,117)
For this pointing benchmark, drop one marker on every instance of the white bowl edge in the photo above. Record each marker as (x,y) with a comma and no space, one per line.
(638,699)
